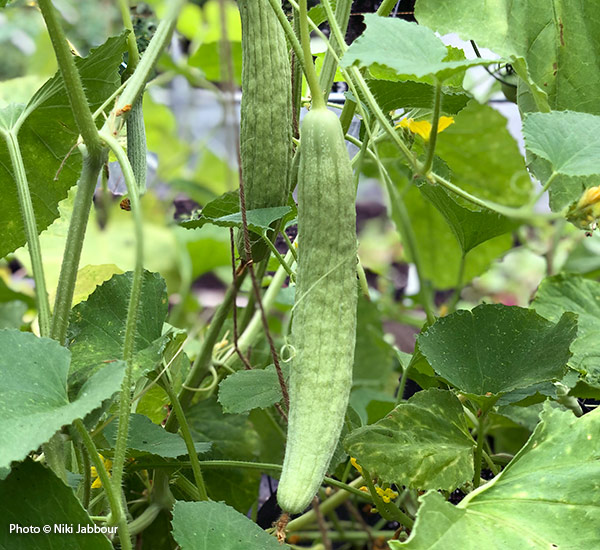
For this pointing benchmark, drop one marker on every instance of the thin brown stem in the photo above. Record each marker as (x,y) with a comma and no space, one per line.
(322,525)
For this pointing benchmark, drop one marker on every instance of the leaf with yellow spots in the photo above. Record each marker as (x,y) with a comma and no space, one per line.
(548,497)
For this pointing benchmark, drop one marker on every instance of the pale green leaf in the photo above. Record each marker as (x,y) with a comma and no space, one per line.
(394,49)
(33,396)
(570,141)
(212,525)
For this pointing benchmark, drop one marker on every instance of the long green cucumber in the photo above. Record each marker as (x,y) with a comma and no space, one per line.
(266,113)
(324,314)
(136,144)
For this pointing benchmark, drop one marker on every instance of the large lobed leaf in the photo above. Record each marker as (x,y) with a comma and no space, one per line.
(496,348)
(395,49)
(424,443)
(33,395)
(547,498)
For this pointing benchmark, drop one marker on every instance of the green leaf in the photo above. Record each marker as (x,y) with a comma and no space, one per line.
(542,500)
(46,133)
(33,395)
(548,43)
(483,157)
(113,244)
(33,496)
(394,49)
(373,356)
(424,443)
(233,438)
(107,308)
(438,248)
(145,437)
(208,58)
(258,220)
(561,293)
(471,227)
(224,211)
(212,525)
(245,390)
(497,348)
(11,314)
(415,95)
(570,141)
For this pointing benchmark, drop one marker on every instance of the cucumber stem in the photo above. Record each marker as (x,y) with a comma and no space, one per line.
(311,74)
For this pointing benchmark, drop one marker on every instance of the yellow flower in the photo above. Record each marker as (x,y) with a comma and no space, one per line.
(107,464)
(386,494)
(423,127)
(585,213)
(355,464)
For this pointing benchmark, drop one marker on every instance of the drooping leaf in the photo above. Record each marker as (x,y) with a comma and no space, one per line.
(33,396)
(570,141)
(394,49)
(438,248)
(546,498)
(497,348)
(245,390)
(561,293)
(212,525)
(424,443)
(33,496)
(415,95)
(145,437)
(471,227)
(46,132)
(106,308)
(224,211)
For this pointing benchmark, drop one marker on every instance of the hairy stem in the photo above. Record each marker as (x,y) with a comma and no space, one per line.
(31,232)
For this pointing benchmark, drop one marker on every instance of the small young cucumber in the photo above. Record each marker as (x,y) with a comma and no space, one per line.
(266,112)
(324,315)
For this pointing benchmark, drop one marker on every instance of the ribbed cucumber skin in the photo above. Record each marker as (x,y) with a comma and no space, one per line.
(266,109)
(136,145)
(324,315)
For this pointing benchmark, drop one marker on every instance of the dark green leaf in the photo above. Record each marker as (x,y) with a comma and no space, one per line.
(97,326)
(546,498)
(214,525)
(33,395)
(497,348)
(245,390)
(145,437)
(424,443)
(33,496)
